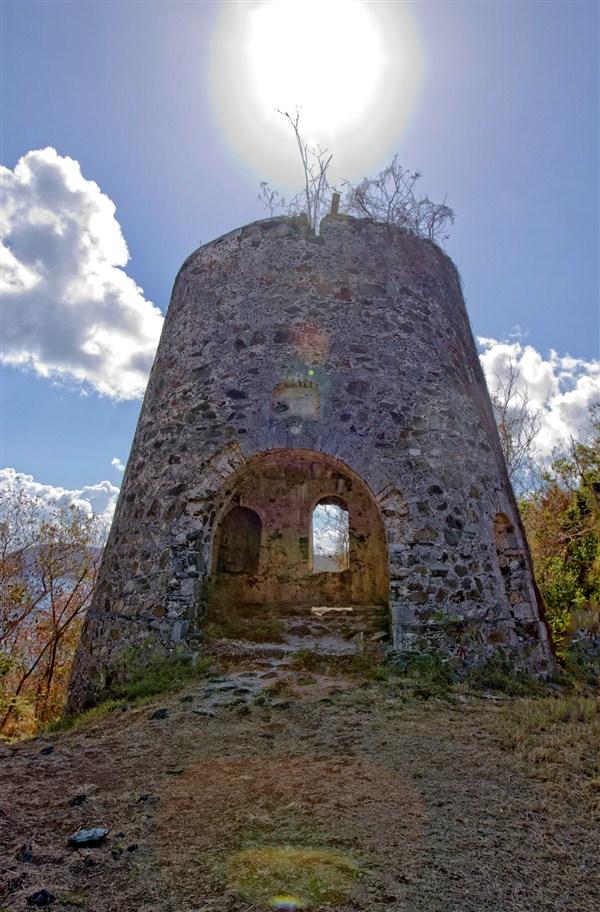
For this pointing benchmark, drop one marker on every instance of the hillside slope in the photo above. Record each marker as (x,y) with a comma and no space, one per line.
(419,797)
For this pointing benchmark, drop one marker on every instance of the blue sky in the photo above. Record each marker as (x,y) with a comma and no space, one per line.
(505,123)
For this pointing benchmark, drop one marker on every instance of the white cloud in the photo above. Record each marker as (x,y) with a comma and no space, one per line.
(118,465)
(100,498)
(560,388)
(71,312)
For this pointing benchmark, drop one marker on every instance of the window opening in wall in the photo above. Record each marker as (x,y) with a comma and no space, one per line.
(330,537)
(297,398)
(239,545)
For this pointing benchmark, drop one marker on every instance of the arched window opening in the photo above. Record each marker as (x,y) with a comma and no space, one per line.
(330,536)
(239,545)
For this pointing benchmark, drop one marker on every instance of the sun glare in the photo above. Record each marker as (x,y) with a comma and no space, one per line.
(353,69)
(305,52)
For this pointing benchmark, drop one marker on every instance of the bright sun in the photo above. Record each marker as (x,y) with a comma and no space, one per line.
(352,68)
(306,53)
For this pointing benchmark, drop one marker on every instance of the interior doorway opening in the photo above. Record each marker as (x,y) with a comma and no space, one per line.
(298,528)
(239,542)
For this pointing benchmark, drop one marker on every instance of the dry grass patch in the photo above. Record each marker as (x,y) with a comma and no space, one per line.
(366,664)
(307,876)
(291,824)
(559,737)
(246,624)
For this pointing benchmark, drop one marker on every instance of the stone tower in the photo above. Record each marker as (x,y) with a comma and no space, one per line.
(295,370)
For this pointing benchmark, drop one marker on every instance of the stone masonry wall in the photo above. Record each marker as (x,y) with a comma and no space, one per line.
(356,345)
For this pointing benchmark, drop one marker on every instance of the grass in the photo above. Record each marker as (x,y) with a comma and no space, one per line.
(497,674)
(95,714)
(146,678)
(427,674)
(287,876)
(580,665)
(433,675)
(366,664)
(251,629)
(285,860)
(533,717)
(153,674)
(559,739)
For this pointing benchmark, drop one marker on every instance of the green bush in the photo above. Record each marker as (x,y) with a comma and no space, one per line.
(580,663)
(498,674)
(95,714)
(430,673)
(145,674)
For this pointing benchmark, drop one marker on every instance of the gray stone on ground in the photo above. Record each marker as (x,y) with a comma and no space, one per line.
(90,836)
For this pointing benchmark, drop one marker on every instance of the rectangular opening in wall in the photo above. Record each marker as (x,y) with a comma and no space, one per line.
(298,399)
(330,537)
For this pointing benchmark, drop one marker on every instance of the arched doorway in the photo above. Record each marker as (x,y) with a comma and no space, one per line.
(238,548)
(277,563)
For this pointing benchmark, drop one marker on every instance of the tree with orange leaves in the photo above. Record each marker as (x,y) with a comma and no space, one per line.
(48,565)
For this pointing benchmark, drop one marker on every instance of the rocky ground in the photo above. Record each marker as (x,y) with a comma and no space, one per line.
(421,797)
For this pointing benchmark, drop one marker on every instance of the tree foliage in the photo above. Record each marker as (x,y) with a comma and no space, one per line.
(562,521)
(48,565)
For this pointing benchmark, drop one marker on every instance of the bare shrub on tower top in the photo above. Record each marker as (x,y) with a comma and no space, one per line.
(313,199)
(390,197)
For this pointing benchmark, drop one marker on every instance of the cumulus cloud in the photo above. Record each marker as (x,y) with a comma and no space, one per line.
(560,388)
(71,312)
(99,499)
(117,464)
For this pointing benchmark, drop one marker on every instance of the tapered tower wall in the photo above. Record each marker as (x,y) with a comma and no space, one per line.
(351,351)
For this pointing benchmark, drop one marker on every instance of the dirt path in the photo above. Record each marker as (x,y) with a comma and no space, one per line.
(419,796)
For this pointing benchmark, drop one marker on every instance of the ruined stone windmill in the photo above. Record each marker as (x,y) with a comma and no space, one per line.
(293,371)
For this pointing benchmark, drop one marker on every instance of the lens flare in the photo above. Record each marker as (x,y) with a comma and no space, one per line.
(353,68)
(286,903)
(311,343)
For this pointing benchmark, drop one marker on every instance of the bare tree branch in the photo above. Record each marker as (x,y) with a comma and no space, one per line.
(518,425)
(313,199)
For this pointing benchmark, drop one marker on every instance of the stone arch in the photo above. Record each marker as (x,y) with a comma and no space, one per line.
(282,486)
